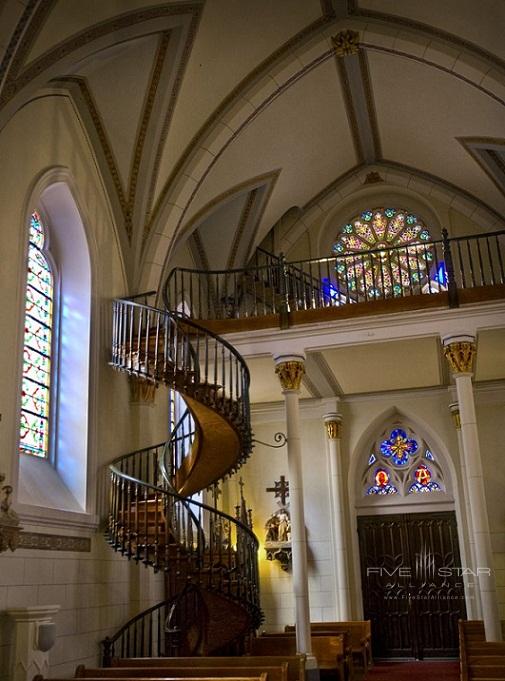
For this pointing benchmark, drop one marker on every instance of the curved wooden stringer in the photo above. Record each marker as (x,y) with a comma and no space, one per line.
(209,558)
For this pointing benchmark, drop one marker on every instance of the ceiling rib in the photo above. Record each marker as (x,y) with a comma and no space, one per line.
(352,66)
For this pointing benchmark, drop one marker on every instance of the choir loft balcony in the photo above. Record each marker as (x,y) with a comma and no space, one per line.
(272,292)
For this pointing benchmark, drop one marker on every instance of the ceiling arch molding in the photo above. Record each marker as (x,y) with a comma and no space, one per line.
(23,80)
(373,196)
(160,250)
(258,90)
(401,178)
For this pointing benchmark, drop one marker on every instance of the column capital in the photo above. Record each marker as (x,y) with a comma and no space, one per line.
(456,419)
(460,352)
(290,370)
(333,425)
(142,391)
(34,613)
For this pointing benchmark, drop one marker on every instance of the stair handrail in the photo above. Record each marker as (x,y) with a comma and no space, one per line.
(149,520)
(166,477)
(136,325)
(485,253)
(179,497)
(176,315)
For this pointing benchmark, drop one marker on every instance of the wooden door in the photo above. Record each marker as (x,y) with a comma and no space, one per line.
(412,588)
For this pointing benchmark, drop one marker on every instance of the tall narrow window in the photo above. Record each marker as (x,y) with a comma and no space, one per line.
(38,344)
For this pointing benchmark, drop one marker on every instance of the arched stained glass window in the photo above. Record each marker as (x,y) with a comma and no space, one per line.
(38,343)
(384,272)
(400,462)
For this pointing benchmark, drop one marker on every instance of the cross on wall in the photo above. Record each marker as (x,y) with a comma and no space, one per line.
(280,489)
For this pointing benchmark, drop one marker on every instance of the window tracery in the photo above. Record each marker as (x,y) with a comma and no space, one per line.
(401,463)
(383,272)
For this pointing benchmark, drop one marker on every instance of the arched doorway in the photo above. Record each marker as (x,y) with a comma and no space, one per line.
(411,569)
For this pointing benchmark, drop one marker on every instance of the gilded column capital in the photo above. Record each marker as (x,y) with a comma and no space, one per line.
(460,352)
(345,43)
(333,425)
(290,370)
(456,418)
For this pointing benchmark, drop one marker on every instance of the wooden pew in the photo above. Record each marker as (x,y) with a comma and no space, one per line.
(275,673)
(146,677)
(295,663)
(360,632)
(479,659)
(348,660)
(328,650)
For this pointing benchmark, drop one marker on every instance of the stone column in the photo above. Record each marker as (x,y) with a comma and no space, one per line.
(333,425)
(290,369)
(473,607)
(460,354)
(33,636)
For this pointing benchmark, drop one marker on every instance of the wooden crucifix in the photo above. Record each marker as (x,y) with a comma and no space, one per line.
(280,489)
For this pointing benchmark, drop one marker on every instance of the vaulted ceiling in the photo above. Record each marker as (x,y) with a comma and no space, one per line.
(209,120)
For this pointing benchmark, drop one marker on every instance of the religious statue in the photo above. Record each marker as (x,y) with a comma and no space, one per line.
(9,520)
(278,527)
(284,529)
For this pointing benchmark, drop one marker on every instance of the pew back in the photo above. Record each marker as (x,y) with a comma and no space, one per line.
(146,677)
(328,650)
(360,633)
(295,663)
(275,673)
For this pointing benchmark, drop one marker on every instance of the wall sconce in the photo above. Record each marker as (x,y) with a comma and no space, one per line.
(46,636)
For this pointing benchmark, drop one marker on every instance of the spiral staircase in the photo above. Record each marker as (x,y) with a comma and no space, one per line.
(208,558)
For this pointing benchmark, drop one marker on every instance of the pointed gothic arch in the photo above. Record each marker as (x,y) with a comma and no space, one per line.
(59,480)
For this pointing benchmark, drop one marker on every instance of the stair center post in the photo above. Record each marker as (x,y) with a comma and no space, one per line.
(290,370)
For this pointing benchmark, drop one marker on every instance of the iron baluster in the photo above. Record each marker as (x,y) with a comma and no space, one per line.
(449,267)
(500,260)
(363,272)
(409,271)
(470,261)
(461,266)
(425,254)
(481,266)
(490,260)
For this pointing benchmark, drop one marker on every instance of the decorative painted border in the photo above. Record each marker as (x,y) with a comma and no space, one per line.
(22,76)
(54,542)
(450,38)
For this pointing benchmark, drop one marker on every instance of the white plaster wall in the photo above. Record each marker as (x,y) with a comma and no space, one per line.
(265,466)
(428,409)
(97,593)
(95,590)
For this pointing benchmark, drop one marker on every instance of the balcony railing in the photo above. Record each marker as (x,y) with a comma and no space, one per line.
(273,286)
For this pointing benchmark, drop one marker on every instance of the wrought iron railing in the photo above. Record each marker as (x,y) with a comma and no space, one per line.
(190,541)
(271,285)
(156,345)
(159,631)
(198,547)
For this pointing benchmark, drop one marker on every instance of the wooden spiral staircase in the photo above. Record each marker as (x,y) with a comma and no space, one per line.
(209,559)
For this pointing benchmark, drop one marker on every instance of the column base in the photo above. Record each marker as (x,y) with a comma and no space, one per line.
(311,669)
